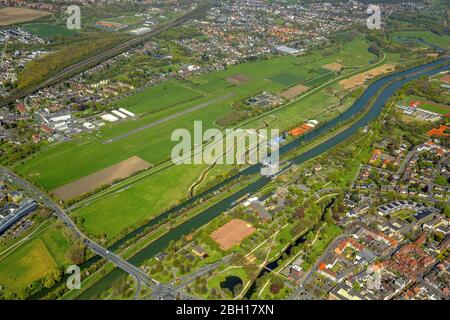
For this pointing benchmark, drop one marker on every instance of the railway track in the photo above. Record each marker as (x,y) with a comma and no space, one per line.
(108,54)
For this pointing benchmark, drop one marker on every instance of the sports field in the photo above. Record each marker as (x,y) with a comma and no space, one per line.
(13,15)
(232,233)
(427,105)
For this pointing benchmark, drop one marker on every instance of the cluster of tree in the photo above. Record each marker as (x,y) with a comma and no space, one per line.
(48,281)
(424,88)
(37,71)
(11,153)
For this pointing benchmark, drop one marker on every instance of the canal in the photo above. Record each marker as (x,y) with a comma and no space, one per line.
(389,85)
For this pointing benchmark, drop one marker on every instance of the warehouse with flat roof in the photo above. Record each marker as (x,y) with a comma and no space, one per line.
(26,208)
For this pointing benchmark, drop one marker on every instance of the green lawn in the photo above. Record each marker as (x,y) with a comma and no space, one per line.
(140,202)
(159,97)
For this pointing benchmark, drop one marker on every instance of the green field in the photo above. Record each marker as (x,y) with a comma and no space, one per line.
(140,202)
(86,154)
(286,79)
(46,30)
(159,97)
(428,105)
(33,259)
(427,36)
(63,163)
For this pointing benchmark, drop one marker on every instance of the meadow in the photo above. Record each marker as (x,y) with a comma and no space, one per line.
(34,258)
(124,210)
(159,97)
(427,36)
(47,30)
(132,206)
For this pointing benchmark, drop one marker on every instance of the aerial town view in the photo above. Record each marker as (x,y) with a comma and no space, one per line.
(232,150)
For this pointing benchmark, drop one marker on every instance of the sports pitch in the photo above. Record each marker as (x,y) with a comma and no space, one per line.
(428,105)
(232,233)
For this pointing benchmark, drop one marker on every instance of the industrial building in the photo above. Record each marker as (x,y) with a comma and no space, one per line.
(8,221)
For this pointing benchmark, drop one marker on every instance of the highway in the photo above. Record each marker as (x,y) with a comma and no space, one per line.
(108,54)
(39,195)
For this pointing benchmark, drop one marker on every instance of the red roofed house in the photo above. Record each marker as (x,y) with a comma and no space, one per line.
(414,104)
(21,108)
(440,132)
(348,243)
(446,78)
(46,129)
(297,132)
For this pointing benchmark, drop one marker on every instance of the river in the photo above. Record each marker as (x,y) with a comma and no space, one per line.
(392,82)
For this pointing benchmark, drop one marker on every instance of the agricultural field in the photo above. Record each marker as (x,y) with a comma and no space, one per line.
(17,15)
(141,201)
(47,30)
(286,78)
(101,178)
(33,259)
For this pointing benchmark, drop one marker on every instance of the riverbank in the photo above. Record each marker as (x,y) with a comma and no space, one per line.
(212,212)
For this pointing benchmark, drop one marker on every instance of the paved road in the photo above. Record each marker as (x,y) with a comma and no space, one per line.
(297,293)
(129,268)
(108,54)
(177,291)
